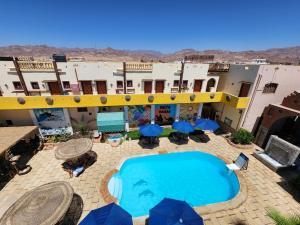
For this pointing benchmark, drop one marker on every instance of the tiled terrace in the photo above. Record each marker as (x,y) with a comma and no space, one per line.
(263,188)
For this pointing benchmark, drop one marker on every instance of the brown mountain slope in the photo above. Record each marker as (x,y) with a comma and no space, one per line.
(280,55)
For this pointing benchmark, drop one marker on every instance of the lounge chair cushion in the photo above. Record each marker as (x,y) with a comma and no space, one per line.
(233,166)
(279,155)
(78,171)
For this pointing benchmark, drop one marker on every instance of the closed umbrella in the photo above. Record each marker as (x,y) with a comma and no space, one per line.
(183,127)
(174,212)
(73,148)
(44,205)
(151,130)
(206,124)
(110,214)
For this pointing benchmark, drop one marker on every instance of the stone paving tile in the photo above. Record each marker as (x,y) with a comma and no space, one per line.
(263,188)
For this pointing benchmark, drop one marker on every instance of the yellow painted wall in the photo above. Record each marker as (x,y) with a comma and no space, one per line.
(32,102)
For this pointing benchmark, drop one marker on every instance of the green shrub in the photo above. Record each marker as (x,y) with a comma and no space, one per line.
(243,137)
(280,219)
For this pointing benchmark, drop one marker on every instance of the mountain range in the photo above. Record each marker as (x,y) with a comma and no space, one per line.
(289,55)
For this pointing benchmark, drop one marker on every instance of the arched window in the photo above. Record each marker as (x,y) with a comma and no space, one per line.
(210,84)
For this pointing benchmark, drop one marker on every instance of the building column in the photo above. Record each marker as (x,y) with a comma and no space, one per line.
(58,77)
(20,75)
(200,110)
(152,114)
(68,119)
(126,118)
(177,115)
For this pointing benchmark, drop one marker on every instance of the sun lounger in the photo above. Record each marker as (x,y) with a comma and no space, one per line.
(179,138)
(199,136)
(78,171)
(241,163)
(278,154)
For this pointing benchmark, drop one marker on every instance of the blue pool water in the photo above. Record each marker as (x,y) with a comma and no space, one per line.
(198,178)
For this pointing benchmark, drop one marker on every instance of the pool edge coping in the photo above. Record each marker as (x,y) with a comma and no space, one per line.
(230,204)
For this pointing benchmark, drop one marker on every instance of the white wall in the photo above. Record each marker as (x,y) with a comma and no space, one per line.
(7,77)
(288,79)
(231,81)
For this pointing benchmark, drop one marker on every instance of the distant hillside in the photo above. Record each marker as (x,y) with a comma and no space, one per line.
(276,55)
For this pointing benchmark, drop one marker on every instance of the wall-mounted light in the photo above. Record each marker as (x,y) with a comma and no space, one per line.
(192,97)
(76,99)
(49,100)
(151,98)
(6,85)
(127,98)
(228,98)
(21,100)
(172,97)
(103,99)
(111,85)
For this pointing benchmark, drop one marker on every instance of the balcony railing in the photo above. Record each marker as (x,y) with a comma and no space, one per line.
(35,66)
(218,67)
(139,67)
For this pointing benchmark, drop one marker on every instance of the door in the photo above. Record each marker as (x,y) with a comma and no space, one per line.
(101,87)
(87,87)
(54,88)
(244,90)
(148,86)
(197,85)
(159,86)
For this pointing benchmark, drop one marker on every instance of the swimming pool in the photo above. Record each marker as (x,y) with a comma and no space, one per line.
(198,178)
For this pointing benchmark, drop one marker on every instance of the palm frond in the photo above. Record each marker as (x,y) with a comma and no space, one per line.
(280,219)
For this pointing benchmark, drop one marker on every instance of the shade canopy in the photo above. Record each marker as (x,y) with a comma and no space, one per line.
(9,136)
(206,124)
(73,148)
(44,205)
(110,214)
(110,122)
(174,212)
(183,127)
(151,130)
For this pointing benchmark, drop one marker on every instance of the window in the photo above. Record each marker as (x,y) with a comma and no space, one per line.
(129,83)
(176,83)
(185,84)
(227,121)
(210,84)
(245,88)
(82,109)
(17,85)
(119,84)
(35,85)
(270,88)
(66,85)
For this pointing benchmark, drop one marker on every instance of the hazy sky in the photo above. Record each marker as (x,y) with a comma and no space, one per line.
(165,25)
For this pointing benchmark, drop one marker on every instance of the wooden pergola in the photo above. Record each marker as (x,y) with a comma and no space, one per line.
(9,136)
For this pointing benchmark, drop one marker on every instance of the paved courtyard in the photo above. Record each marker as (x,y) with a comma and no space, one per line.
(263,188)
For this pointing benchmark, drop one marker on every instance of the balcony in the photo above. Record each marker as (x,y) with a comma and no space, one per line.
(218,67)
(35,66)
(71,101)
(136,67)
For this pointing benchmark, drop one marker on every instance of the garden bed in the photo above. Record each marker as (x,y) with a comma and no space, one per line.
(240,146)
(135,134)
